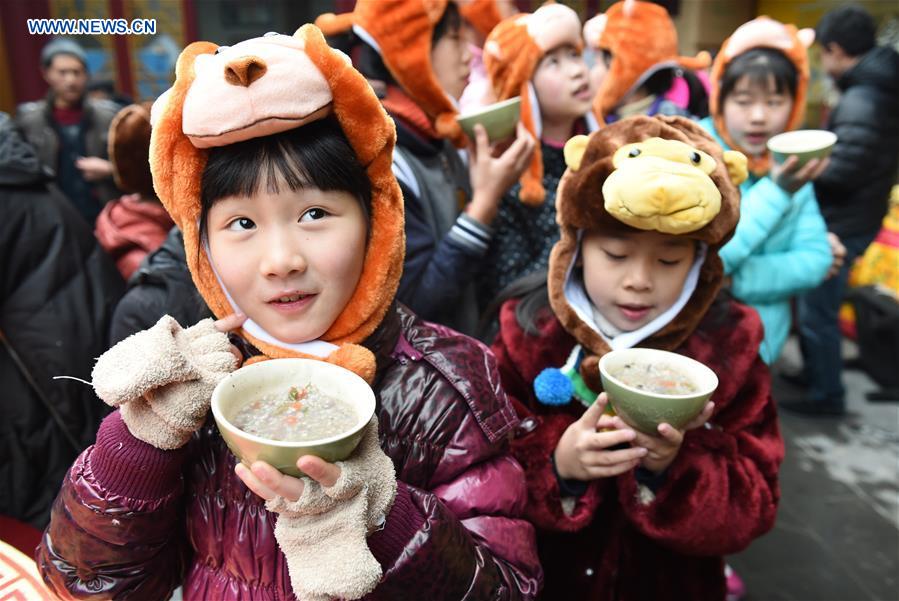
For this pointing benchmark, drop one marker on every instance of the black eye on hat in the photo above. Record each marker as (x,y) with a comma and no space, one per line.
(634,152)
(695,157)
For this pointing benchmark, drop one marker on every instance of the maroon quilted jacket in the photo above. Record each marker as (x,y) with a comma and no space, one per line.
(132,521)
(718,495)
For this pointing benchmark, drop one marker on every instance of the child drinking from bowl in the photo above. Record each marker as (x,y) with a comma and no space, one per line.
(538,58)
(292,224)
(418,53)
(644,208)
(780,248)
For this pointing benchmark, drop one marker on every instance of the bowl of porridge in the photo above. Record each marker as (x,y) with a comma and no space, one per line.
(647,387)
(279,410)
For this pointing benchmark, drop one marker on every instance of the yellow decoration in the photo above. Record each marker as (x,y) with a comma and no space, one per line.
(662,185)
(737,166)
(574,151)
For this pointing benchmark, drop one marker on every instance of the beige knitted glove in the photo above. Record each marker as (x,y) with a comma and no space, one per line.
(162,379)
(324,533)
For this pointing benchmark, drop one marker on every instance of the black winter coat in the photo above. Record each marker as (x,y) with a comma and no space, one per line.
(57,293)
(854,191)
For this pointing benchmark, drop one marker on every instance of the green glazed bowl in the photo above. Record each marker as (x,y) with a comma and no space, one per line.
(277,375)
(805,144)
(499,119)
(645,410)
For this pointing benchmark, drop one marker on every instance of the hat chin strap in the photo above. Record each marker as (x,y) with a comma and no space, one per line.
(316,348)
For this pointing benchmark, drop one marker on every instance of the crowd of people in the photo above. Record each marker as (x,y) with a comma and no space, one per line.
(312,195)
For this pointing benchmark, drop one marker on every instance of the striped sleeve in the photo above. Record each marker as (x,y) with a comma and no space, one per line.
(471,233)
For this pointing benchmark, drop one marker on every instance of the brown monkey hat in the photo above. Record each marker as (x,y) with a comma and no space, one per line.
(264,86)
(643,173)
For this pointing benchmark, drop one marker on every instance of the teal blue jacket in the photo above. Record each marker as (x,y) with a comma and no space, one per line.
(780,249)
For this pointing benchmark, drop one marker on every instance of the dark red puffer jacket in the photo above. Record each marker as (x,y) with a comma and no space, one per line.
(454,532)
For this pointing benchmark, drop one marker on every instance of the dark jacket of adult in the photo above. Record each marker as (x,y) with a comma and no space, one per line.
(57,293)
(35,119)
(854,191)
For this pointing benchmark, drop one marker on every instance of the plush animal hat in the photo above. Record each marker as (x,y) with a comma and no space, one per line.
(511,55)
(644,173)
(642,40)
(483,15)
(762,32)
(401,31)
(264,86)
(129,150)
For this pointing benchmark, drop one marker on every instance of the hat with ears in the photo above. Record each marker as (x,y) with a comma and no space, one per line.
(642,39)
(129,150)
(265,86)
(483,15)
(511,54)
(402,33)
(663,174)
(762,32)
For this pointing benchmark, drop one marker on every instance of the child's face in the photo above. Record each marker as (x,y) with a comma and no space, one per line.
(753,113)
(635,277)
(563,89)
(290,260)
(450,59)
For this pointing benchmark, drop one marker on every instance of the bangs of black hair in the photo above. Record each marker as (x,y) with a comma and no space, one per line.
(450,23)
(761,66)
(317,155)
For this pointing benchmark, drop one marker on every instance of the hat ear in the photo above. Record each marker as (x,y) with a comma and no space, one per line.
(574,151)
(806,36)
(736,166)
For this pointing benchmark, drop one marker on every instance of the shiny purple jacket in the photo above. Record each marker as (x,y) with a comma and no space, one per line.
(132,521)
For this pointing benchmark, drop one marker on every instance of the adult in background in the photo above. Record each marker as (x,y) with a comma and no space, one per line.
(69,130)
(853,191)
(57,293)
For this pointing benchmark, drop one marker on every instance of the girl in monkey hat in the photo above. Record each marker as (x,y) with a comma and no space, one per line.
(644,207)
(538,58)
(274,158)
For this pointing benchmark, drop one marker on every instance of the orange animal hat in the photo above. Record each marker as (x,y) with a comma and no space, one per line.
(483,15)
(260,87)
(762,32)
(511,54)
(642,39)
(645,168)
(129,150)
(401,31)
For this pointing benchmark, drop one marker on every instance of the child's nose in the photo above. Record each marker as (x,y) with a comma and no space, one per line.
(281,260)
(757,112)
(639,278)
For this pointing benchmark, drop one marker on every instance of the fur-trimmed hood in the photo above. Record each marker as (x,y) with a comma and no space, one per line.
(259,87)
